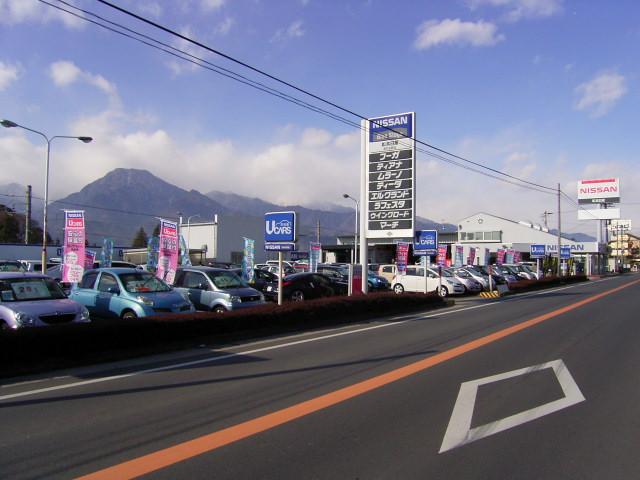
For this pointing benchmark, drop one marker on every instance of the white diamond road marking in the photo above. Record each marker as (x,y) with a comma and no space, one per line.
(459,431)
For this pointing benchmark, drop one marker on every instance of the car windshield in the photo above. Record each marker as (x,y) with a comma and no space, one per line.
(462,274)
(226,279)
(142,282)
(21,289)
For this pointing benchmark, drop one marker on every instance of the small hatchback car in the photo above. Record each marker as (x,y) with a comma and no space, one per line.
(127,293)
(35,300)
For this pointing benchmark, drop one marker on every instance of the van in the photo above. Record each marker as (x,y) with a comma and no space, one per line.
(387,271)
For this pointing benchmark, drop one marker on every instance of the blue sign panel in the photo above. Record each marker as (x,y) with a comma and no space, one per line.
(537,251)
(280,227)
(425,242)
(392,127)
(565,252)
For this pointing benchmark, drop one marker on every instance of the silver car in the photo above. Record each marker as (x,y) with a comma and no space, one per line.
(34,300)
(465,278)
(216,289)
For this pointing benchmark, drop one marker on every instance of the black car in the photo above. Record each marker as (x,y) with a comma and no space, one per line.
(305,285)
(261,278)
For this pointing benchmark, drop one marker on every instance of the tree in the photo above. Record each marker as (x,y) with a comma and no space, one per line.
(9,225)
(141,239)
(156,231)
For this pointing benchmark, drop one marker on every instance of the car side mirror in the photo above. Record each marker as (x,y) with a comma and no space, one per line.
(114,290)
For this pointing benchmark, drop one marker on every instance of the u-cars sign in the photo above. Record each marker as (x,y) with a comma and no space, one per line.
(599,191)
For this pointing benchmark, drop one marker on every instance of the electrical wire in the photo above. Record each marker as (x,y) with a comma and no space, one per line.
(235,76)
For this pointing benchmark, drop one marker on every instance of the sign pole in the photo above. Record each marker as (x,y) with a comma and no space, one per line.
(424,268)
(559,235)
(364,204)
(538,268)
(490,279)
(279,277)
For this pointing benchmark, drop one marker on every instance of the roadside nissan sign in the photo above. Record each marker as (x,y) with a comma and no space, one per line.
(599,191)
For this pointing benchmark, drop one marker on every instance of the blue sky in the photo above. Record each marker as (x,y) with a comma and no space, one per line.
(543,89)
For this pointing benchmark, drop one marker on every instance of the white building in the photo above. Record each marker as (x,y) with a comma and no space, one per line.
(484,231)
(222,240)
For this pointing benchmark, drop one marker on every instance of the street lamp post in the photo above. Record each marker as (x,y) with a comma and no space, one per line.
(355,235)
(9,124)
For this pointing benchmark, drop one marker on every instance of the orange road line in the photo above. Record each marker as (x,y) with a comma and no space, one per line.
(207,443)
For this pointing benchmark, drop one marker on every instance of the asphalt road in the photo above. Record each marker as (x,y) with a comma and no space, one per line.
(540,386)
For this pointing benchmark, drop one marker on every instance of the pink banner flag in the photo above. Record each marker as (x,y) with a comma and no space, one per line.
(472,256)
(169,251)
(402,256)
(73,254)
(500,256)
(89,259)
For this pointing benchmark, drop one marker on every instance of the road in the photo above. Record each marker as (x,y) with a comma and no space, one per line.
(537,386)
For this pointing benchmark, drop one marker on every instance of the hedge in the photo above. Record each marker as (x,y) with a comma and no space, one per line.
(545,282)
(41,349)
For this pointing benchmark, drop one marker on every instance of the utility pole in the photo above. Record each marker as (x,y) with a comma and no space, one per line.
(27,217)
(559,235)
(545,216)
(318,231)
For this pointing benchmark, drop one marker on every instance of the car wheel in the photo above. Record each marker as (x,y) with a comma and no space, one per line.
(297,296)
(219,309)
(443,292)
(4,327)
(129,315)
(397,288)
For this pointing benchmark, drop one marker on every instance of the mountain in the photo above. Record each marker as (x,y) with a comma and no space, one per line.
(122,201)
(128,199)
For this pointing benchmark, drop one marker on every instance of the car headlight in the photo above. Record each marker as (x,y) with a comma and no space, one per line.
(24,320)
(145,301)
(84,314)
(235,299)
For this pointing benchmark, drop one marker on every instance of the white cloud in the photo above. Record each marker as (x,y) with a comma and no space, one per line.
(456,32)
(24,11)
(224,27)
(522,9)
(211,5)
(151,9)
(294,30)
(8,74)
(179,67)
(600,94)
(64,73)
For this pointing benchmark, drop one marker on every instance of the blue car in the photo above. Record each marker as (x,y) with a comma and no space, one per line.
(127,293)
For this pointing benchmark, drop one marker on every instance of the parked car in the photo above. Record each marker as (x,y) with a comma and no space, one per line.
(301,286)
(497,278)
(274,269)
(216,289)
(377,282)
(11,266)
(478,276)
(509,277)
(470,284)
(35,265)
(35,300)
(413,281)
(519,271)
(387,271)
(127,293)
(261,278)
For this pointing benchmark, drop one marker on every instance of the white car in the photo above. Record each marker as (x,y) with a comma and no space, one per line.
(413,281)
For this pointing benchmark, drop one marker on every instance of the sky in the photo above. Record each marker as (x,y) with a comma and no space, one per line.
(545,90)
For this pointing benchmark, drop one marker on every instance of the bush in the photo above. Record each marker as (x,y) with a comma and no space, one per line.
(39,349)
(545,282)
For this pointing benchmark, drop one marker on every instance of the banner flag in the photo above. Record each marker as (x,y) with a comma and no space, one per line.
(402,256)
(74,248)
(248,273)
(169,251)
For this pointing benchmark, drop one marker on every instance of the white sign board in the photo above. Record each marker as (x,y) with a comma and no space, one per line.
(390,176)
(598,213)
(599,191)
(621,225)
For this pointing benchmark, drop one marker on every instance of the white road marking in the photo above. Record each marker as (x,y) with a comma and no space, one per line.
(218,358)
(459,431)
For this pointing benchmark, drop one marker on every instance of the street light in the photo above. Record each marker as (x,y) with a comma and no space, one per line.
(9,124)
(355,235)
(189,230)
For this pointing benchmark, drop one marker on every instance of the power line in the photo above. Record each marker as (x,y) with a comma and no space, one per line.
(272,77)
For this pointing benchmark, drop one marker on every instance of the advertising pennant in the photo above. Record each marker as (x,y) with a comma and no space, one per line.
(402,256)
(169,251)
(74,248)
(248,273)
